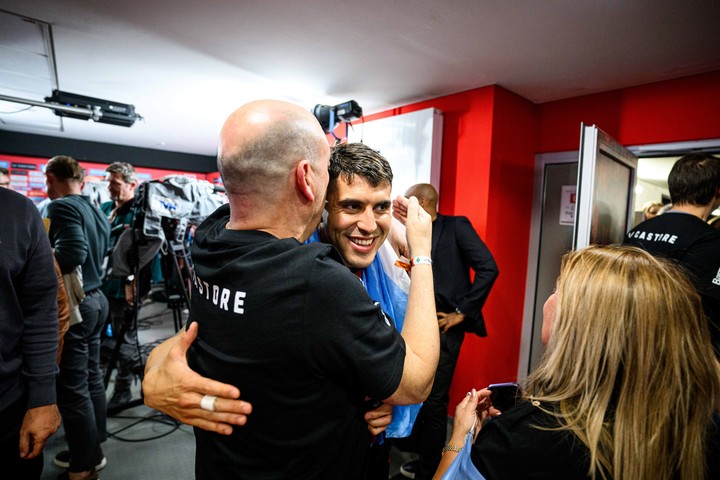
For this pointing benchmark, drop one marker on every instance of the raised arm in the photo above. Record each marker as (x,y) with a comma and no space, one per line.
(420,329)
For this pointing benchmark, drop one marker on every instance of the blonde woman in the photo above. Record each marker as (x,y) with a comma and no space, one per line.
(628,388)
(651,209)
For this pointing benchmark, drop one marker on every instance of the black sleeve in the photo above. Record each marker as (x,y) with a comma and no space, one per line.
(479,258)
(37,295)
(66,235)
(349,338)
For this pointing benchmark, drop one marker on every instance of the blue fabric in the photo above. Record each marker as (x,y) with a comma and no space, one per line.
(378,279)
(462,467)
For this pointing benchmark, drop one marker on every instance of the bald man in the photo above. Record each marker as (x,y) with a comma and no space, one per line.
(287,322)
(456,250)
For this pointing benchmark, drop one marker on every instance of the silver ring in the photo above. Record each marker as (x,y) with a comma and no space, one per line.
(208,403)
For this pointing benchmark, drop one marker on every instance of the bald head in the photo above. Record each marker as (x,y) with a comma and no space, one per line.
(262,141)
(427,197)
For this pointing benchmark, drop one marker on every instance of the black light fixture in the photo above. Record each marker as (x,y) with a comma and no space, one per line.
(72,105)
(329,116)
(104,111)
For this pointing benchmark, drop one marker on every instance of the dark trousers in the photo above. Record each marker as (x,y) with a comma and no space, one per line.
(10,422)
(80,387)
(430,430)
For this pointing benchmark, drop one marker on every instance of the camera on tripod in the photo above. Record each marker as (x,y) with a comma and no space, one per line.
(165,210)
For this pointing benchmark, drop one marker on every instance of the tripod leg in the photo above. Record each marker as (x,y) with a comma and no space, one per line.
(129,319)
(175,303)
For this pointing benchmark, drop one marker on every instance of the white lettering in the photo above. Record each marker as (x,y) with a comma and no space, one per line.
(653,237)
(239,302)
(224,299)
(220,296)
(716,280)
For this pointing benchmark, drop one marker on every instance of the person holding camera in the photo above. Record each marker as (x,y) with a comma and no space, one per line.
(120,291)
(628,386)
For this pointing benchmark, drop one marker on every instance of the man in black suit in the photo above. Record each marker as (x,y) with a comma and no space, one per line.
(456,248)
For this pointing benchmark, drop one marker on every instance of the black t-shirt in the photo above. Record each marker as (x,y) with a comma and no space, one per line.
(509,447)
(695,246)
(296,332)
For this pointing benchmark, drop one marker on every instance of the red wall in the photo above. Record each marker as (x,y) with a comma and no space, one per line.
(490,140)
(672,111)
(487,175)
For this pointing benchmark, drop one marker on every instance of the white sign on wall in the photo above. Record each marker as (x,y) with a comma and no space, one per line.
(411,142)
(568,202)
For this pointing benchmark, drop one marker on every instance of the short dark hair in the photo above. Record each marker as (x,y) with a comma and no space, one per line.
(4,171)
(352,159)
(694,179)
(65,168)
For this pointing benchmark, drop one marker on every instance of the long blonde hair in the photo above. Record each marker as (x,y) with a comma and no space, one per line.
(629,365)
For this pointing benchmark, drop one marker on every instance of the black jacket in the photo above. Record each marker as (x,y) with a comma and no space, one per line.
(456,249)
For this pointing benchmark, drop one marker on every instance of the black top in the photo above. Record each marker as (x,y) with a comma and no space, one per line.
(695,246)
(457,249)
(509,447)
(80,235)
(113,286)
(28,305)
(296,332)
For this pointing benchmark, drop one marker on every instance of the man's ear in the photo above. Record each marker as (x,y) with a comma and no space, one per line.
(304,180)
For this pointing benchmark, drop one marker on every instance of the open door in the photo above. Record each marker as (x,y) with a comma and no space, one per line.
(579,199)
(605,190)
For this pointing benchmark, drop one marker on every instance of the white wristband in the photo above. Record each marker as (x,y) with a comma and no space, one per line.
(420,261)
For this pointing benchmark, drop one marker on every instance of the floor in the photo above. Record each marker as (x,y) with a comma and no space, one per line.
(143,444)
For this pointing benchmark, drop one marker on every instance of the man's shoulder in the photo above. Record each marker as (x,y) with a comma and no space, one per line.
(328,270)
(12,201)
(325,255)
(679,229)
(62,207)
(453,218)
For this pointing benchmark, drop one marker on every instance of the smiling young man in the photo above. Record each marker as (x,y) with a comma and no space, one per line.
(358,221)
(358,203)
(305,359)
